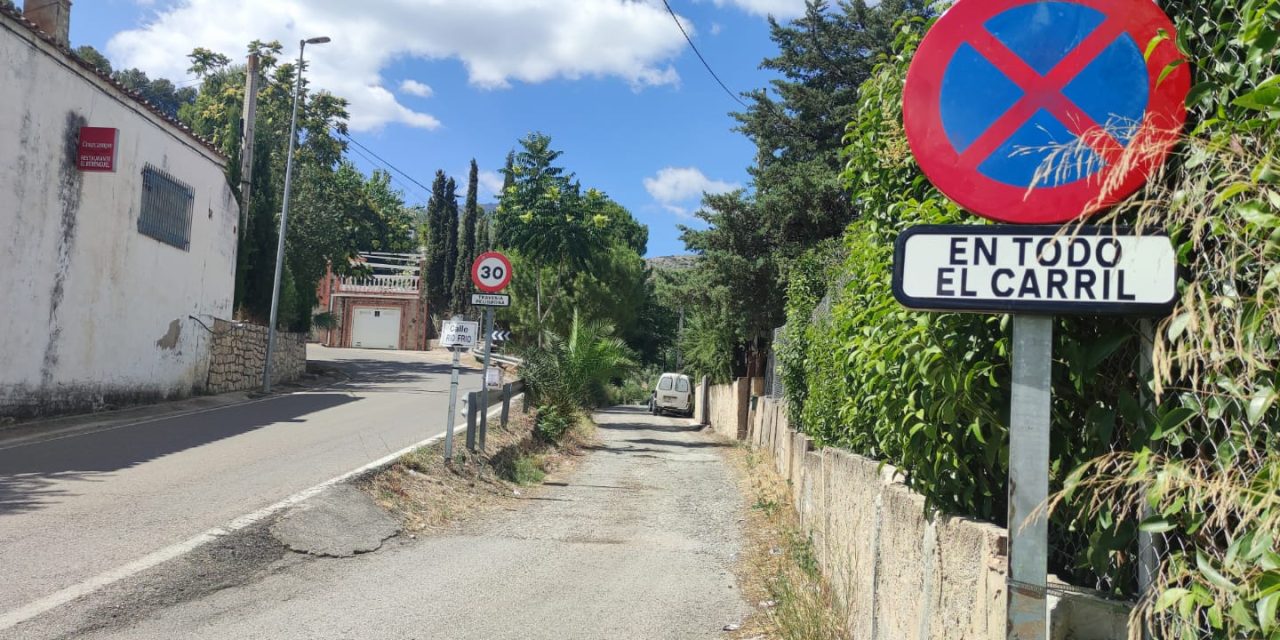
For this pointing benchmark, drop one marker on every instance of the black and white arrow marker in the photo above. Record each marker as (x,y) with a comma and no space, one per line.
(501,336)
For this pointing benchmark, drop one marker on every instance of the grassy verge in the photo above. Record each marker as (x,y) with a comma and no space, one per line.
(426,494)
(778,571)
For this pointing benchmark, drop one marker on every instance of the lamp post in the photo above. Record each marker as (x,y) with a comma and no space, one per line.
(284,216)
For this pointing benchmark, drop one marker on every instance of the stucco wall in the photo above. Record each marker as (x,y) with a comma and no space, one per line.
(95,312)
(897,570)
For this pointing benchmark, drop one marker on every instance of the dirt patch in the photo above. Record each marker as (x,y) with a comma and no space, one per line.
(777,572)
(427,495)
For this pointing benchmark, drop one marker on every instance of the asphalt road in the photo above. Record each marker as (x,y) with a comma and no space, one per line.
(638,543)
(78,506)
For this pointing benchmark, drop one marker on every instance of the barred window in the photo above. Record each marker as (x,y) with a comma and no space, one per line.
(166,208)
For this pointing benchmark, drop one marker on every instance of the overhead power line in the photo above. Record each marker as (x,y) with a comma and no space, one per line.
(383,161)
(704,60)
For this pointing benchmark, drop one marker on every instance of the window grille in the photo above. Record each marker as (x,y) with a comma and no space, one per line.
(166,208)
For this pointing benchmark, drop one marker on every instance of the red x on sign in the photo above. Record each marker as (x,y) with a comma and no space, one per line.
(1044,111)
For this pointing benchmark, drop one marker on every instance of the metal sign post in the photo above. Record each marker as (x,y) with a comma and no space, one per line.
(491,272)
(456,335)
(453,408)
(1029,475)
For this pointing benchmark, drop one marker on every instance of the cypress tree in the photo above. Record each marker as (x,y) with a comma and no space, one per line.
(437,245)
(451,239)
(467,243)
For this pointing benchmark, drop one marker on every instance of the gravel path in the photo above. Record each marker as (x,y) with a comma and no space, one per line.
(638,542)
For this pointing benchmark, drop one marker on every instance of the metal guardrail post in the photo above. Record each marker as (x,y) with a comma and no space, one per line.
(473,399)
(506,403)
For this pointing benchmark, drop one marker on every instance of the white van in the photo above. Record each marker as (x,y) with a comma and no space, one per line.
(674,394)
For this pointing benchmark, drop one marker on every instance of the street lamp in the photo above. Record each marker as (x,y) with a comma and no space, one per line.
(284,216)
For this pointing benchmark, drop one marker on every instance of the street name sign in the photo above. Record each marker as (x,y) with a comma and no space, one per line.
(1037,112)
(1033,269)
(490,300)
(460,333)
(491,272)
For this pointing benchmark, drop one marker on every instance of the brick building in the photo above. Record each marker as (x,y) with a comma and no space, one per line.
(386,309)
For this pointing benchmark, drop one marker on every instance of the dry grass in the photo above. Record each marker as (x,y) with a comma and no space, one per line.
(427,495)
(777,572)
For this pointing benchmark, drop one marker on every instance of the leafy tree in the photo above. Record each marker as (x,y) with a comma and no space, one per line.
(737,259)
(823,58)
(93,57)
(545,217)
(335,211)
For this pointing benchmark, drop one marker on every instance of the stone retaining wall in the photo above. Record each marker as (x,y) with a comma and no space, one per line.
(898,571)
(239,354)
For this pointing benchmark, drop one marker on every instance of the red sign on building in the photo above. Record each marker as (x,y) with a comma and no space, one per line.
(97,149)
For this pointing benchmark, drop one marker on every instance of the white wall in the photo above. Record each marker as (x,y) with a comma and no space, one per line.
(93,311)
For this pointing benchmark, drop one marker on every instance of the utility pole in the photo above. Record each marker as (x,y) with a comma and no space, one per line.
(284,215)
(247,122)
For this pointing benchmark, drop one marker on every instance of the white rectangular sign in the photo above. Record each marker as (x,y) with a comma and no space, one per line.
(1015,269)
(493,378)
(490,300)
(459,333)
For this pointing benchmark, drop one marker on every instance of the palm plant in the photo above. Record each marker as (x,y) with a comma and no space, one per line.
(571,374)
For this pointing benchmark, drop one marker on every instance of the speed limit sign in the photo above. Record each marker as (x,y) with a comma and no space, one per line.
(491,272)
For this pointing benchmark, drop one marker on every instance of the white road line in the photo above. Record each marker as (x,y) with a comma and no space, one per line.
(59,598)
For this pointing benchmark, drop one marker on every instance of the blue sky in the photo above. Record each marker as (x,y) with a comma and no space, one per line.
(434,83)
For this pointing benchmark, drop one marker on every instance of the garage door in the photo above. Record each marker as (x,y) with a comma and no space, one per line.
(376,328)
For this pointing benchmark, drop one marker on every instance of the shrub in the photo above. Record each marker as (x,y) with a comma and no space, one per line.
(551,423)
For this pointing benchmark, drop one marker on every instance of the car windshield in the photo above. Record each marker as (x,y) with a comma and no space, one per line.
(682,384)
(664,384)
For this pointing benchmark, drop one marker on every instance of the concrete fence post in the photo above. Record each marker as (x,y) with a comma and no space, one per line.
(704,394)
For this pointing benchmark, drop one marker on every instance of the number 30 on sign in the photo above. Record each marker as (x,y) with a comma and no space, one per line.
(491,272)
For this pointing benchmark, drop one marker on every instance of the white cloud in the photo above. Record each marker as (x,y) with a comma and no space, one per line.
(676,187)
(491,183)
(415,88)
(497,41)
(716,28)
(781,9)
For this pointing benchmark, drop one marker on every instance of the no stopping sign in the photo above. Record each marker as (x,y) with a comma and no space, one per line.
(491,272)
(1022,111)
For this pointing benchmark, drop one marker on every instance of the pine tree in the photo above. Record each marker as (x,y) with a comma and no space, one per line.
(467,242)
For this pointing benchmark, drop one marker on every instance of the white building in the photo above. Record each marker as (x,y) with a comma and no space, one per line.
(109,277)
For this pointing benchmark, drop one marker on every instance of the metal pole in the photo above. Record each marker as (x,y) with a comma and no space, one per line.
(284,226)
(1148,552)
(453,408)
(484,389)
(1029,476)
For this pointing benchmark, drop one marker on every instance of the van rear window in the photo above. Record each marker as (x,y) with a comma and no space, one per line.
(664,384)
(682,384)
